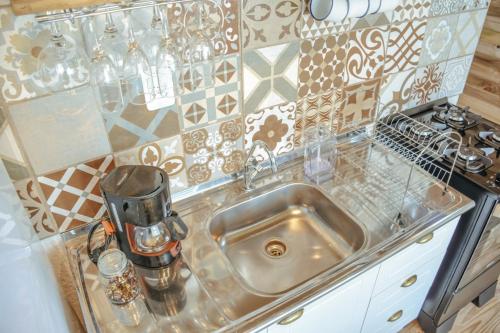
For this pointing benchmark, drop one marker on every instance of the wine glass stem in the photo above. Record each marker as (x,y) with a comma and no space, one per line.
(110,24)
(131,33)
(55,31)
(92,31)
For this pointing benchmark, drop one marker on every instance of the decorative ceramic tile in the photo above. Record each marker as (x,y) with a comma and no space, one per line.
(166,154)
(182,14)
(313,110)
(42,222)
(214,151)
(370,21)
(274,126)
(404,46)
(270,22)
(270,76)
(54,130)
(218,101)
(411,10)
(395,91)
(366,56)
(455,76)
(322,64)
(444,7)
(438,39)
(312,28)
(358,106)
(73,194)
(467,33)
(21,40)
(427,85)
(474,4)
(11,155)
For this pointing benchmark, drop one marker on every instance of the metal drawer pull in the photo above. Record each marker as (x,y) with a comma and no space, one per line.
(291,318)
(427,238)
(409,281)
(395,316)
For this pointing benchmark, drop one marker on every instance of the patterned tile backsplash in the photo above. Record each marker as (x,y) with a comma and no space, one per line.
(277,73)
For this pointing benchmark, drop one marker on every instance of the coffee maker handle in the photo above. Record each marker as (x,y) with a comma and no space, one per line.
(177,228)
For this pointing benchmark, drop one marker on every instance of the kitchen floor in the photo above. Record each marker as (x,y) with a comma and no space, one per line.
(471,319)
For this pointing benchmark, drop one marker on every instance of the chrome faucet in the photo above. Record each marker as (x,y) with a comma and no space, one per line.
(253,167)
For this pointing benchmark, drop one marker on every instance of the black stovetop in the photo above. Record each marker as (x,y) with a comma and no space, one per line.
(470,137)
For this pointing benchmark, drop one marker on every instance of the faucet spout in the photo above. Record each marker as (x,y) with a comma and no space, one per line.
(253,167)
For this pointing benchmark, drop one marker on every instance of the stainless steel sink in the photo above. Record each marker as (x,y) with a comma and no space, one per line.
(283,238)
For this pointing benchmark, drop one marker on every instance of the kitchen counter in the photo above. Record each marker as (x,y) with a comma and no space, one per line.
(208,295)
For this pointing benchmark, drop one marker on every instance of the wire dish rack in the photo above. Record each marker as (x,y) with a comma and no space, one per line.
(401,163)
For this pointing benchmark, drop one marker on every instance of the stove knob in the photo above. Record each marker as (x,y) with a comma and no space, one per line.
(497,178)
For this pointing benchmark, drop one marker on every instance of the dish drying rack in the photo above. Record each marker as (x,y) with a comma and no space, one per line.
(401,163)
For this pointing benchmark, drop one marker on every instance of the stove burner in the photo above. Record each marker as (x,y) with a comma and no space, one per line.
(470,154)
(421,131)
(456,115)
(496,136)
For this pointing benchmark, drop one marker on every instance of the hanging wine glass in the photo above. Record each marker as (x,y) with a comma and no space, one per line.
(150,40)
(137,74)
(62,65)
(113,44)
(167,62)
(104,77)
(200,51)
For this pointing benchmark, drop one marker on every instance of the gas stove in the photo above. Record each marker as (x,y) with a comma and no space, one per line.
(454,116)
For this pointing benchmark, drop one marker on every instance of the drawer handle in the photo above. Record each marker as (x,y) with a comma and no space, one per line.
(427,238)
(409,281)
(395,316)
(291,318)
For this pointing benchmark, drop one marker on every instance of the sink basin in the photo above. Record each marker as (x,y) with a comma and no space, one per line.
(283,238)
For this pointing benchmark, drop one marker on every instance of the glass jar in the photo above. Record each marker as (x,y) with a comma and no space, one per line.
(319,153)
(121,287)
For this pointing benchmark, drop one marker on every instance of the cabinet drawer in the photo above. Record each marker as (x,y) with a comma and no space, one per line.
(380,310)
(400,265)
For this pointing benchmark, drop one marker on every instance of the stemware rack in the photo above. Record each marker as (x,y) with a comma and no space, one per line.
(396,167)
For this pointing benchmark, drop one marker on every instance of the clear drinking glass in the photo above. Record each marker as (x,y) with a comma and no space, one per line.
(104,77)
(319,153)
(167,62)
(113,44)
(150,40)
(137,74)
(62,65)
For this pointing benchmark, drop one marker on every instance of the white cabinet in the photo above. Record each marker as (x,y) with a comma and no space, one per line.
(383,299)
(341,310)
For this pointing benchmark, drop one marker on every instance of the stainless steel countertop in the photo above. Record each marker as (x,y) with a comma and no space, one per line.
(212,295)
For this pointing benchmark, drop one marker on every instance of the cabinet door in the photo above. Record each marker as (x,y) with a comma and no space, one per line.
(341,310)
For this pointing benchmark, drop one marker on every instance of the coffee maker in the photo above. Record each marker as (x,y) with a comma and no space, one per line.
(138,200)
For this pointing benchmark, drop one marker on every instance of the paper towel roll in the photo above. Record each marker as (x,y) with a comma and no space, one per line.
(339,11)
(358,8)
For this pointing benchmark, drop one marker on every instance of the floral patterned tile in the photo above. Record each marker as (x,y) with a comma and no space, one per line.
(270,76)
(21,40)
(217,101)
(427,85)
(404,46)
(166,154)
(213,151)
(322,64)
(366,56)
(73,194)
(312,28)
(445,7)
(467,33)
(313,110)
(438,39)
(227,17)
(266,23)
(41,220)
(395,91)
(455,76)
(411,10)
(358,106)
(274,126)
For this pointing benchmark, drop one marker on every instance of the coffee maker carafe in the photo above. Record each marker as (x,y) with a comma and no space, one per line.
(140,207)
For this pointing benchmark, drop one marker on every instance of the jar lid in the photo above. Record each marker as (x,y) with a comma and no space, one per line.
(112,262)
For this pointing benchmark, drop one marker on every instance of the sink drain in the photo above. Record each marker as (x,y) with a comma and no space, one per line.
(275,248)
